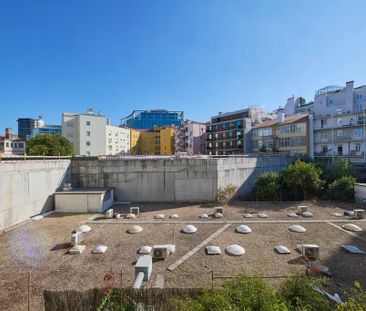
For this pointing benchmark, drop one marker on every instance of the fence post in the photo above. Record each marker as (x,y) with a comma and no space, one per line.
(121,289)
(212,279)
(29,290)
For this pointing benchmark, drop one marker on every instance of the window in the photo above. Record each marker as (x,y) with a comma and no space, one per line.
(339,133)
(223,126)
(88,143)
(358,132)
(69,124)
(87,133)
(216,135)
(238,126)
(88,153)
(216,127)
(223,135)
(87,123)
(358,148)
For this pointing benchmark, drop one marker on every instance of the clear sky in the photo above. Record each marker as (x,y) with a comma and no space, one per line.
(200,56)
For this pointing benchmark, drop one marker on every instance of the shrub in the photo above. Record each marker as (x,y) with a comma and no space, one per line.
(226,194)
(338,169)
(298,294)
(301,178)
(356,301)
(342,189)
(268,187)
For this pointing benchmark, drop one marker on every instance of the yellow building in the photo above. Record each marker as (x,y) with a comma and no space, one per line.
(288,134)
(134,144)
(157,141)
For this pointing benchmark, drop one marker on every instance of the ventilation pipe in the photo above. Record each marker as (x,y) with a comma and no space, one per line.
(143,270)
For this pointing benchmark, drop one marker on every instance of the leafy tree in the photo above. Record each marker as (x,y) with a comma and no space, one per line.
(338,169)
(342,189)
(301,178)
(268,187)
(49,145)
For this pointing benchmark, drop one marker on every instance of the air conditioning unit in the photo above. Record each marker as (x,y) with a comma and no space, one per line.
(76,238)
(135,210)
(109,213)
(218,210)
(160,252)
(302,209)
(309,251)
(359,213)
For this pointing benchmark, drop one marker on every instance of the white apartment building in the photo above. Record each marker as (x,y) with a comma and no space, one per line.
(339,122)
(91,135)
(117,140)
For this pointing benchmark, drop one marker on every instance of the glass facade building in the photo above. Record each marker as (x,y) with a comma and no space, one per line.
(48,129)
(25,127)
(147,119)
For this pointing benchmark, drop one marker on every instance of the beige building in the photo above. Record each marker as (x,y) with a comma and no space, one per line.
(91,135)
(117,140)
(10,144)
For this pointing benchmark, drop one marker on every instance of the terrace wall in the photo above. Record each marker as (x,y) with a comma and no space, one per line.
(27,187)
(168,180)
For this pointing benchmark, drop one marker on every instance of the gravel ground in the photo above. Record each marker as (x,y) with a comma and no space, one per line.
(41,247)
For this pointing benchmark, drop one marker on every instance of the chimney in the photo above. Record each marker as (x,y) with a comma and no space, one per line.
(9,133)
(280,115)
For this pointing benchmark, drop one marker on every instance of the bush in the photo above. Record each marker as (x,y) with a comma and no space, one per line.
(268,187)
(342,189)
(298,294)
(226,194)
(339,169)
(300,179)
(356,301)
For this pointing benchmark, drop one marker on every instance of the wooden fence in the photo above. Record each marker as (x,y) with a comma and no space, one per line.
(147,299)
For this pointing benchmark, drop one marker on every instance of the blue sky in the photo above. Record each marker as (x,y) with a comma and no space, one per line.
(200,56)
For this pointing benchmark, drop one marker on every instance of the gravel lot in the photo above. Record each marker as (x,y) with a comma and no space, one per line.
(41,247)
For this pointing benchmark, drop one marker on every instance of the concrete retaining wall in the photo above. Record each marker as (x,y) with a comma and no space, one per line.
(27,187)
(360,193)
(180,180)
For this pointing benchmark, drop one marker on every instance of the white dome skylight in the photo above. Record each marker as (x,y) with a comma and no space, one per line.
(297,228)
(243,229)
(189,229)
(84,229)
(135,229)
(235,250)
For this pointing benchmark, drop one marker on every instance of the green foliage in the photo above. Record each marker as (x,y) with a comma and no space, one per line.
(298,294)
(342,189)
(300,179)
(49,145)
(226,194)
(356,301)
(263,148)
(338,169)
(113,301)
(268,187)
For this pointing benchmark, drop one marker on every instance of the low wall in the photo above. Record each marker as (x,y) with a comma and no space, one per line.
(27,187)
(168,180)
(360,193)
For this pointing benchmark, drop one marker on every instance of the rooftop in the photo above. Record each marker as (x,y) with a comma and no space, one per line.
(288,120)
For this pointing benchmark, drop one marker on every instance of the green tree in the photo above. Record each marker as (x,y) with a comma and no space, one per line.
(338,169)
(356,301)
(342,189)
(263,148)
(49,145)
(268,187)
(300,179)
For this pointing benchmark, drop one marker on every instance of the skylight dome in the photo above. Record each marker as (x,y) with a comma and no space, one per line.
(235,250)
(243,229)
(84,229)
(189,229)
(297,228)
(135,229)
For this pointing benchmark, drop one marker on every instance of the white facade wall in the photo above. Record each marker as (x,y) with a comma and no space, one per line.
(86,132)
(117,140)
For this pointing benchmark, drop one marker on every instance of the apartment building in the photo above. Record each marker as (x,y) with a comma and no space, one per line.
(91,134)
(11,144)
(227,133)
(157,141)
(339,122)
(190,138)
(118,140)
(134,141)
(287,134)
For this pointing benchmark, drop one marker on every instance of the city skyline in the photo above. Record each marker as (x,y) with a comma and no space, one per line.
(199,57)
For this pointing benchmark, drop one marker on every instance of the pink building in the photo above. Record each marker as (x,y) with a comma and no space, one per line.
(190,138)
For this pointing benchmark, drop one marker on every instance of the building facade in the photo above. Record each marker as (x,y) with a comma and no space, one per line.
(86,132)
(190,138)
(227,132)
(47,129)
(134,142)
(157,141)
(25,127)
(147,119)
(118,140)
(11,144)
(286,134)
(339,122)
